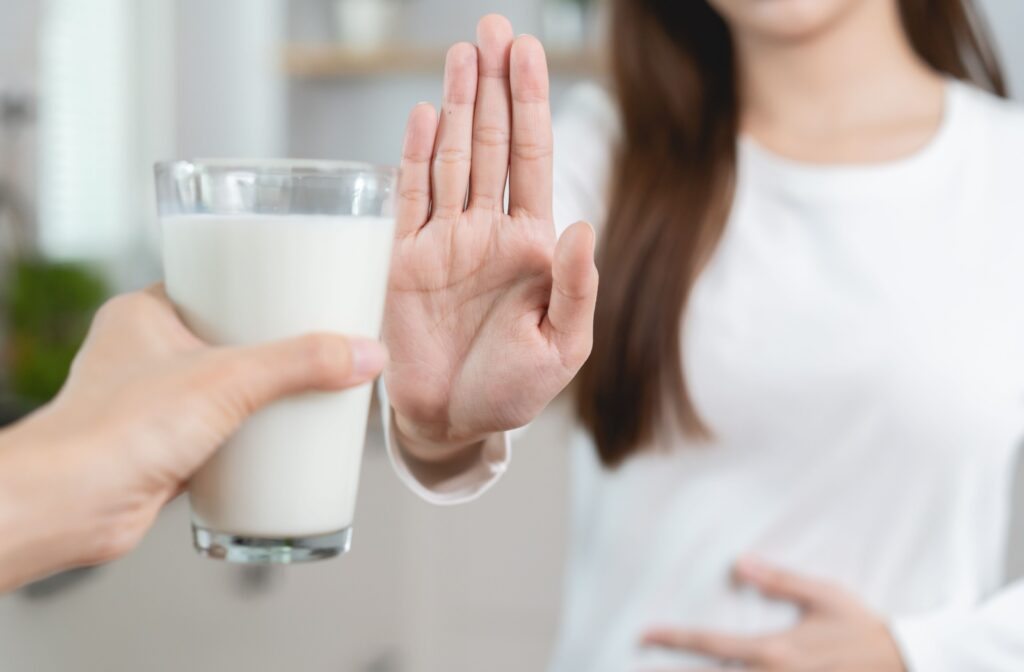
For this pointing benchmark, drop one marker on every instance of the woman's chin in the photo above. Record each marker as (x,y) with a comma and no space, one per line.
(784,20)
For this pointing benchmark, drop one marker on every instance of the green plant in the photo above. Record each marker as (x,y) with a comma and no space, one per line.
(48,309)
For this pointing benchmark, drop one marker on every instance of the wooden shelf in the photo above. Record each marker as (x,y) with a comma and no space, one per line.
(335,62)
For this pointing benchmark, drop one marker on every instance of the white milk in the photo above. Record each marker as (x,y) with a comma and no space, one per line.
(293,468)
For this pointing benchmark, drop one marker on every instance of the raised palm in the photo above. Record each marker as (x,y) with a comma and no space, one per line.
(488,316)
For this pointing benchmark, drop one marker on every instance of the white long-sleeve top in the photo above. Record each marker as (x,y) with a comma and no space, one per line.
(856,345)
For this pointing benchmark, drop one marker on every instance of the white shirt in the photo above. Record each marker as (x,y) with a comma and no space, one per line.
(856,345)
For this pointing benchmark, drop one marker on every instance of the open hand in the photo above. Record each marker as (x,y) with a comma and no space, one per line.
(488,316)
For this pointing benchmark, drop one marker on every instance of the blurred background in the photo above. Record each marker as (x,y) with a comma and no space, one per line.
(92,92)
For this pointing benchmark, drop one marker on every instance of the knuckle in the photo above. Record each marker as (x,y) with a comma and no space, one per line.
(485,201)
(451,156)
(532,150)
(572,294)
(120,305)
(459,102)
(445,211)
(323,354)
(491,136)
(414,194)
(415,157)
(531,94)
(489,69)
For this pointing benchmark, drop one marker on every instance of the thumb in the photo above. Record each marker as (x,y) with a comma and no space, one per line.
(570,318)
(267,372)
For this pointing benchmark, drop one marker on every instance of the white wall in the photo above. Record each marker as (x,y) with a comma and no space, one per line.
(18,68)
(18,42)
(363,119)
(1006,19)
(230,88)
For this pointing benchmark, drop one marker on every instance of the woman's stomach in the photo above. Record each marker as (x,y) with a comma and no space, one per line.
(654,543)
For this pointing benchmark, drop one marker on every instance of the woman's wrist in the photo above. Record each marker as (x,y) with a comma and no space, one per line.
(435,447)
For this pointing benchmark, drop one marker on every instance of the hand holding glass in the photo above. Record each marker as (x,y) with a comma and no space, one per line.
(267,250)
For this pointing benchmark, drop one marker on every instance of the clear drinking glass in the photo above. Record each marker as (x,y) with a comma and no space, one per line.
(264,250)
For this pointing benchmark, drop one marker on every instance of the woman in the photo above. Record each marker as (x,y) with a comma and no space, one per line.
(806,393)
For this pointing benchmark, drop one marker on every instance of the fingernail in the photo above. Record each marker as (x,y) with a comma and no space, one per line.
(368,357)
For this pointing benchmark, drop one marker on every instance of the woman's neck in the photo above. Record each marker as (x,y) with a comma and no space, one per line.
(854,91)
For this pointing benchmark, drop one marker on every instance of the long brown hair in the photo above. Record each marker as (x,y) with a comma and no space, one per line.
(675,77)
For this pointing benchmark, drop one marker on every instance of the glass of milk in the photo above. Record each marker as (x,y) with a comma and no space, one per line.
(262,250)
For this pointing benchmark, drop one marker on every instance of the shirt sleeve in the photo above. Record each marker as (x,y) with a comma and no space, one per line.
(584,133)
(445,484)
(989,637)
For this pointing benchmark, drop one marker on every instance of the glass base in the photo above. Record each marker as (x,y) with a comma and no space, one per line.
(266,551)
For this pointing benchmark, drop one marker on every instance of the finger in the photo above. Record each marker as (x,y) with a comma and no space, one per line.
(414,179)
(783,585)
(711,644)
(453,152)
(530,171)
(492,122)
(264,373)
(570,319)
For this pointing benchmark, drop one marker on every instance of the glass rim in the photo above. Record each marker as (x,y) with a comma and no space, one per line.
(311,167)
